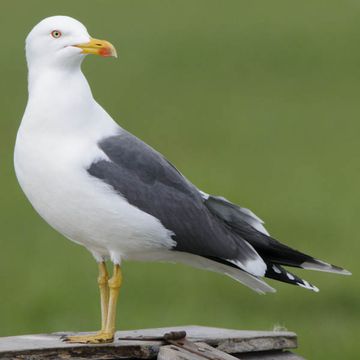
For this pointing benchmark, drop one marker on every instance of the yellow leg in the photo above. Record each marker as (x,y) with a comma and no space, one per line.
(109,292)
(104,293)
(114,286)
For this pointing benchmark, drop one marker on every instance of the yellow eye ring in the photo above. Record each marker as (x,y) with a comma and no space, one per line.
(56,34)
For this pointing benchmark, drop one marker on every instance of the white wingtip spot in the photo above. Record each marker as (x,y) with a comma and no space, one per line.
(290,276)
(308,286)
(276,269)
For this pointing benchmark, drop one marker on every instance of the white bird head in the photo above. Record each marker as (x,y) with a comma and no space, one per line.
(62,41)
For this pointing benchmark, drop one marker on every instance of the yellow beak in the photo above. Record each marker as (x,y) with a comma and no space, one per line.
(98,47)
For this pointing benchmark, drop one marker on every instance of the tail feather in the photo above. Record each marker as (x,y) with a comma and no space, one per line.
(221,267)
(319,265)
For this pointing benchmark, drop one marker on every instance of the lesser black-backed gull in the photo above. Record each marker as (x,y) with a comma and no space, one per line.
(105,189)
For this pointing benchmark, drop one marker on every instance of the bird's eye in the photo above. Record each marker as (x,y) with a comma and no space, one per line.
(56,34)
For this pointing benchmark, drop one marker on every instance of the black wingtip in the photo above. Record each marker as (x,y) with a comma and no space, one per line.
(277,272)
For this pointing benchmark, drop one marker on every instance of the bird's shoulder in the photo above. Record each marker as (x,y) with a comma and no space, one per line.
(130,157)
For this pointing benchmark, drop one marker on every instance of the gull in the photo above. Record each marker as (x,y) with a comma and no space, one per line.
(107,190)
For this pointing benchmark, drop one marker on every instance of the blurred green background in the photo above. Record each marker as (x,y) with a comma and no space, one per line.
(257,101)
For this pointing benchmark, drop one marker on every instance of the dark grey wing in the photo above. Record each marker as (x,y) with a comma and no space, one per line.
(148,181)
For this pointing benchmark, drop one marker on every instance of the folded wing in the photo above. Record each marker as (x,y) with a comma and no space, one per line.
(149,182)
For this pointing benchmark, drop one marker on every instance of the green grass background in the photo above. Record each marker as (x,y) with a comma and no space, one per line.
(255,100)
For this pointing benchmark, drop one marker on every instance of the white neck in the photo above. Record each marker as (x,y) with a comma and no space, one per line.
(60,99)
(57,82)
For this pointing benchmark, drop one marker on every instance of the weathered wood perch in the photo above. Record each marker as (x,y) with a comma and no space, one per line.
(201,343)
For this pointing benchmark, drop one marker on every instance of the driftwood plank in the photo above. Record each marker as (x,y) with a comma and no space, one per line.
(172,352)
(270,355)
(49,346)
(227,340)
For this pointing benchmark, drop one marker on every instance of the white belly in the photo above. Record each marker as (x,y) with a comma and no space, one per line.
(52,172)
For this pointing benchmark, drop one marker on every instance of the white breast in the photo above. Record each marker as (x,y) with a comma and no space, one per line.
(52,170)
